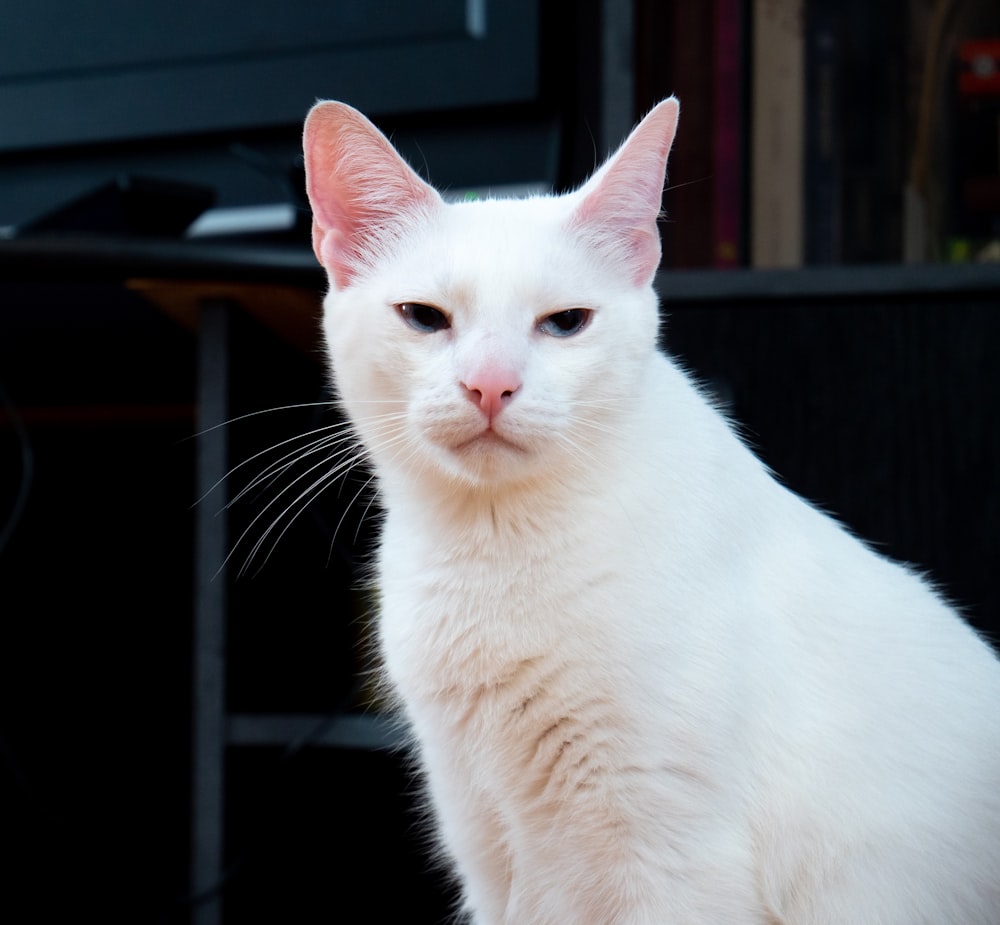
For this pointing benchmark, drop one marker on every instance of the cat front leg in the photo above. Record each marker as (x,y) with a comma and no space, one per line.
(632,847)
(483,860)
(472,834)
(608,891)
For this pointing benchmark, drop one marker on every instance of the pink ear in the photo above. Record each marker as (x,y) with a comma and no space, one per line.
(621,202)
(363,194)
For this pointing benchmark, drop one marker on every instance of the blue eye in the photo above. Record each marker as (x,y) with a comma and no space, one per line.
(424,318)
(565,323)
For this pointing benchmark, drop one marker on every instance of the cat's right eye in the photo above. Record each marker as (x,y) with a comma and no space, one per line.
(424,318)
(565,323)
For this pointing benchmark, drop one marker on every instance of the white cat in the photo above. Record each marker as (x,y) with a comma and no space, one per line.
(648,684)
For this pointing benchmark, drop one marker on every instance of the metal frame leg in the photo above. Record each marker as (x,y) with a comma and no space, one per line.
(210,601)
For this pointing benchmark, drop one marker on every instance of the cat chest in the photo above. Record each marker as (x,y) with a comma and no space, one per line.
(469,624)
(503,683)
(552,705)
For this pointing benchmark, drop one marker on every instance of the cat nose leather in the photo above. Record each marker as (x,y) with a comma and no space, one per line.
(492,390)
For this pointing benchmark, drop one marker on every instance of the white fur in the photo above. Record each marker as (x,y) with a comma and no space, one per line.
(647,683)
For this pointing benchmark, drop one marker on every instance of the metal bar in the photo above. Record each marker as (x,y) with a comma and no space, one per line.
(617,83)
(365,731)
(209,667)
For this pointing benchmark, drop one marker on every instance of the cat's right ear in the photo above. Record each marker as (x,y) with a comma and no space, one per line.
(620,203)
(362,193)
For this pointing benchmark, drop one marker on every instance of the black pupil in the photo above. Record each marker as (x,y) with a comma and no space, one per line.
(568,320)
(426,316)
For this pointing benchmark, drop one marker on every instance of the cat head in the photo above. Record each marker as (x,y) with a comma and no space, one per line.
(485,342)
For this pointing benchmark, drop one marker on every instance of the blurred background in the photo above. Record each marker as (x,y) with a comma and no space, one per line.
(188,732)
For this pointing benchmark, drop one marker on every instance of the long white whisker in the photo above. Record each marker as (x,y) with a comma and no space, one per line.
(344,459)
(332,473)
(310,493)
(274,470)
(314,489)
(328,403)
(357,494)
(598,426)
(341,424)
(581,452)
(368,506)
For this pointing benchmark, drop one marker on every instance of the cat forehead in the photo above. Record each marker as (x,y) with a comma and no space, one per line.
(497,245)
(509,220)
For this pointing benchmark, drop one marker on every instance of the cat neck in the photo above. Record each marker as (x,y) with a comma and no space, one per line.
(451,507)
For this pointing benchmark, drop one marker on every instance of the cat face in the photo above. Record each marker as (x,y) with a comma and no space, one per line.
(491,341)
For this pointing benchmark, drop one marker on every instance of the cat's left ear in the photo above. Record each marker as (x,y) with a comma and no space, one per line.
(620,204)
(363,194)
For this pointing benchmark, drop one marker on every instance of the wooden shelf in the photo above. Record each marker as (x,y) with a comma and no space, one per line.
(879,281)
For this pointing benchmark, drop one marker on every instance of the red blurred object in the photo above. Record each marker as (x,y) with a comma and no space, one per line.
(979,62)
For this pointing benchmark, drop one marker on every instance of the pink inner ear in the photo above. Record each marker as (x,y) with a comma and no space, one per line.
(622,200)
(362,193)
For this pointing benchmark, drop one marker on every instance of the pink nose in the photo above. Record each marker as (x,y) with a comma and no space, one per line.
(492,389)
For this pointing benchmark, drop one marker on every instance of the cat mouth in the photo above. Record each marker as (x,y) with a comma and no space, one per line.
(487,440)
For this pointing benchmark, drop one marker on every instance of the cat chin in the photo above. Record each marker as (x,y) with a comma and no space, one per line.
(487,459)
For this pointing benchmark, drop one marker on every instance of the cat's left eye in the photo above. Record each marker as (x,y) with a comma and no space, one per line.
(424,318)
(566,323)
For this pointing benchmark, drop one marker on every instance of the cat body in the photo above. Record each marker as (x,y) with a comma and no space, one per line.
(646,683)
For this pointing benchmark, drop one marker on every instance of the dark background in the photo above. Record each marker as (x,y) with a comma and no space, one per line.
(878,401)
